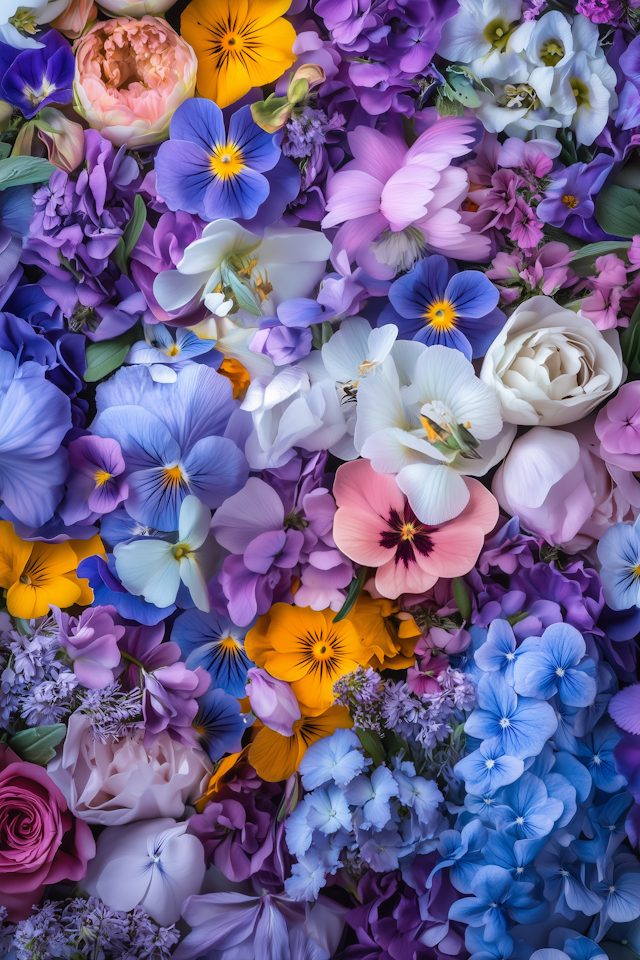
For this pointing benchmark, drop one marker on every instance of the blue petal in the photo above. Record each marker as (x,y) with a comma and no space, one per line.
(215,643)
(284,187)
(154,500)
(219,716)
(481,335)
(425,284)
(216,469)
(258,148)
(472,294)
(183,175)
(237,197)
(108,591)
(32,489)
(144,439)
(198,121)
(454,339)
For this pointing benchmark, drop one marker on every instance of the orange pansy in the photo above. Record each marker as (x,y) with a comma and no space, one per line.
(36,574)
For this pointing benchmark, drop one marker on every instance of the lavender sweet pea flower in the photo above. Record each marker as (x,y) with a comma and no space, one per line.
(273,701)
(170,690)
(91,640)
(33,78)
(569,200)
(98,486)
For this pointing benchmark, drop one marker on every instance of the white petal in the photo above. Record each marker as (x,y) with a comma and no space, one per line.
(191,576)
(436,493)
(380,342)
(194,522)
(148,568)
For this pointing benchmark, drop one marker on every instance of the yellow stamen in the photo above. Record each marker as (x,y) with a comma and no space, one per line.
(173,350)
(172,476)
(181,550)
(570,201)
(551,52)
(408,531)
(441,315)
(101,477)
(227,161)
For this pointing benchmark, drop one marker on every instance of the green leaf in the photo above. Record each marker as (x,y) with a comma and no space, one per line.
(5,150)
(105,356)
(618,211)
(355,589)
(37,744)
(17,171)
(594,250)
(129,238)
(135,225)
(372,744)
(629,176)
(463,92)
(555,233)
(462,598)
(446,104)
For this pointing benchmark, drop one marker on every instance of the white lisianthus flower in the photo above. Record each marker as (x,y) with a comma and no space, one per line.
(153,568)
(19,18)
(156,864)
(479,35)
(355,350)
(550,366)
(425,416)
(289,411)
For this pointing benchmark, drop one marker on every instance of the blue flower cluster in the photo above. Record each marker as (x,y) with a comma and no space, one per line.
(537,844)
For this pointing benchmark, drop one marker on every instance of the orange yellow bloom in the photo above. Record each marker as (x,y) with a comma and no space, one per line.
(275,757)
(308,650)
(239,44)
(391,635)
(233,370)
(36,574)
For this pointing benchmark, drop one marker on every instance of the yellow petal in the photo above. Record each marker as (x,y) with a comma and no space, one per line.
(14,554)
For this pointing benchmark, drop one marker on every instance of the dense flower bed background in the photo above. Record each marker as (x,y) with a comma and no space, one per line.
(319,460)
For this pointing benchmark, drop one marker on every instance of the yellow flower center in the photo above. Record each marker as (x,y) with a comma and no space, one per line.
(227,161)
(497,33)
(173,350)
(172,476)
(636,570)
(232,43)
(25,579)
(101,477)
(229,644)
(551,52)
(580,91)
(200,730)
(570,201)
(408,531)
(441,315)
(181,550)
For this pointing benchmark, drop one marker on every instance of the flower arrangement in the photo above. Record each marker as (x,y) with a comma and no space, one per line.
(319,480)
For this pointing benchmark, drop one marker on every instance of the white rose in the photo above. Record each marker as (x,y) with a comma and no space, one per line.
(550,366)
(120,781)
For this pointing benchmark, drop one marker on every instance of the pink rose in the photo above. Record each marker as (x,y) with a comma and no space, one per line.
(120,781)
(131,76)
(40,841)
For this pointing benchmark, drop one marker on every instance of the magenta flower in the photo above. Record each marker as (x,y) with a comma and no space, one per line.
(396,201)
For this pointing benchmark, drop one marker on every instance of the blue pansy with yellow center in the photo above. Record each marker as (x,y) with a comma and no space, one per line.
(214,642)
(205,170)
(433,303)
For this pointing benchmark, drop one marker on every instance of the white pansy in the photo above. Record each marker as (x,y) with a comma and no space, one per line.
(480,35)
(550,366)
(426,417)
(155,864)
(153,568)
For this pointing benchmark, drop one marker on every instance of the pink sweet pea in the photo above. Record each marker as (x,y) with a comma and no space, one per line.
(394,200)
(374,525)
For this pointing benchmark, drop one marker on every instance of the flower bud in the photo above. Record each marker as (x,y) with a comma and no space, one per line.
(272,701)
(63,139)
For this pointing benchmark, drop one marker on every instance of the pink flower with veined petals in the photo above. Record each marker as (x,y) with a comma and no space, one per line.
(394,201)
(374,525)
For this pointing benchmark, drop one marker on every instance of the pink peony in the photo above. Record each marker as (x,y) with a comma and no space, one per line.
(374,525)
(395,201)
(131,76)
(41,842)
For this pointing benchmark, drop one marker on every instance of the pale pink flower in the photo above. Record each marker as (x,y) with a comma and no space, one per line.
(374,525)
(395,202)
(131,76)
